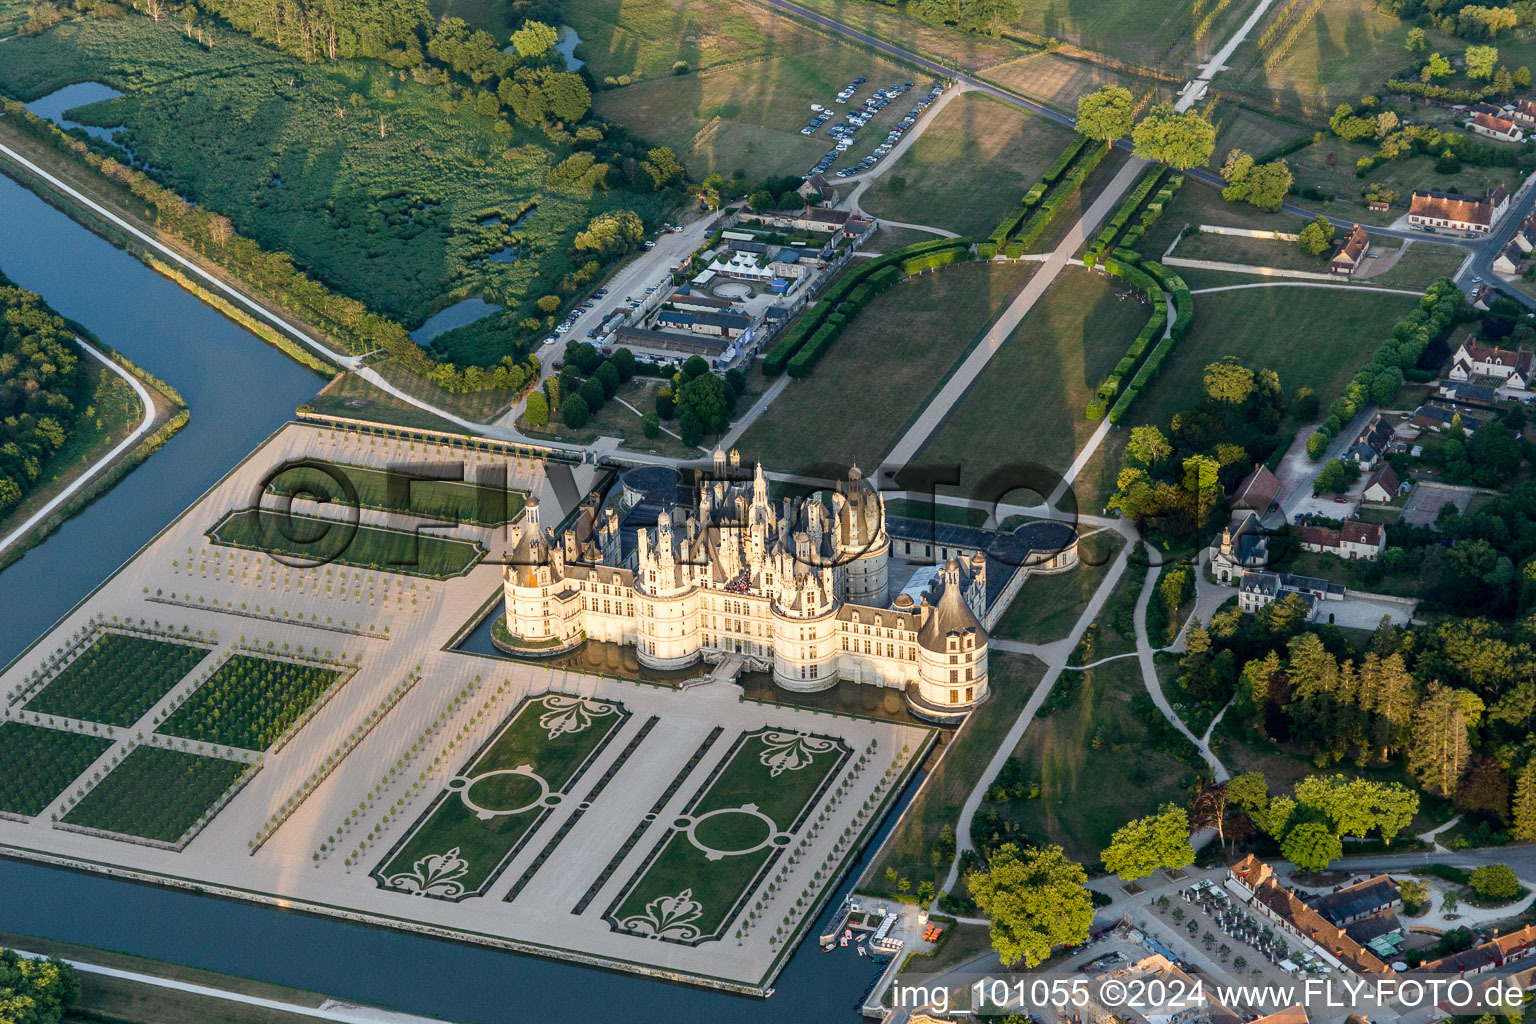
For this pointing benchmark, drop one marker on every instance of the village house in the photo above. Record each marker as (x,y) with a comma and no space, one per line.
(1525,234)
(1482,297)
(1258,588)
(1372,443)
(1524,113)
(1497,128)
(714,323)
(1429,209)
(1479,395)
(1438,419)
(1508,259)
(1240,550)
(1353,539)
(1349,903)
(1257,493)
(1378,205)
(817,190)
(1349,258)
(1253,882)
(1511,366)
(819,219)
(1491,955)
(1383,485)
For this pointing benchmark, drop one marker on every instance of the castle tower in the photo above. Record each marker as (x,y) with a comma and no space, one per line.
(864,547)
(952,651)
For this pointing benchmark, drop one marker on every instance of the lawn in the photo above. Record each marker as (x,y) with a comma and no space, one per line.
(941,43)
(889,239)
(1156,33)
(969,168)
(746,815)
(913,848)
(38,764)
(1419,265)
(1057,80)
(375,184)
(1329,166)
(1114,631)
(400,491)
(117,679)
(459,846)
(1253,133)
(753,74)
(616,419)
(1257,252)
(883,369)
(352,397)
(249,702)
(1093,763)
(1048,606)
(1198,204)
(313,541)
(156,794)
(1027,405)
(1313,337)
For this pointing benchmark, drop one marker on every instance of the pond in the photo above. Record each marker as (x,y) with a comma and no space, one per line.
(81,94)
(460,313)
(569,40)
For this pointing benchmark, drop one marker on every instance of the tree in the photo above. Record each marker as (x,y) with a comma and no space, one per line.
(592,393)
(1180,140)
(1147,446)
(612,234)
(1495,882)
(1440,747)
(1356,806)
(1523,77)
(707,398)
(1503,82)
(1436,68)
(1228,381)
(690,428)
(537,412)
(1523,810)
(1106,114)
(1418,41)
(988,17)
(1142,846)
(1335,477)
(35,991)
(1484,790)
(574,412)
(1316,237)
(1036,899)
(1481,60)
(1312,846)
(1414,894)
(650,425)
(608,376)
(534,39)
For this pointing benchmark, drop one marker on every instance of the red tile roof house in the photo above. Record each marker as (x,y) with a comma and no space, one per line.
(1349,258)
(1458,213)
(1352,540)
(1495,953)
(1254,882)
(1512,366)
(1525,113)
(1257,492)
(1495,128)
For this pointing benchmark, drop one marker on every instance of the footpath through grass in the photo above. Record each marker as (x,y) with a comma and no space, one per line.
(883,369)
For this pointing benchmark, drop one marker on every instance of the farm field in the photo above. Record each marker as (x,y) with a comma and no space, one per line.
(378,186)
(1027,405)
(38,764)
(917,331)
(1264,327)
(498,799)
(117,679)
(912,849)
(325,541)
(1057,81)
(156,794)
(1047,606)
(249,702)
(456,502)
(947,45)
(969,168)
(1090,757)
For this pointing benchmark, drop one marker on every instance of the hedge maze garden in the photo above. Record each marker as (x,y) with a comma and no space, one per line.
(250,702)
(700,874)
(37,764)
(157,794)
(473,829)
(117,679)
(479,503)
(329,541)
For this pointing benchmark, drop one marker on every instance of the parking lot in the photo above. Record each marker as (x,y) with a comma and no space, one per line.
(845,131)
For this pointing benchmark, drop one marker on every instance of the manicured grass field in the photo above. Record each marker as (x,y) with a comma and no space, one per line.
(912,848)
(616,419)
(1419,265)
(117,679)
(1047,606)
(1311,167)
(461,502)
(1253,133)
(1198,204)
(969,168)
(325,542)
(557,737)
(883,369)
(38,764)
(1257,252)
(294,155)
(781,773)
(1115,627)
(1093,764)
(156,794)
(1057,81)
(1312,337)
(351,396)
(249,702)
(1027,405)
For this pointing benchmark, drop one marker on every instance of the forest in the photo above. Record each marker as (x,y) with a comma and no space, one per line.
(42,384)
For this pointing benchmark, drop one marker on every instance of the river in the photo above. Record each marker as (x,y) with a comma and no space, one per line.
(213,363)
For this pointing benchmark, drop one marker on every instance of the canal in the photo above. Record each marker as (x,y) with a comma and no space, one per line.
(213,363)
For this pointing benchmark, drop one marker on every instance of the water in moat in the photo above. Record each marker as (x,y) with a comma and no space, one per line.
(212,363)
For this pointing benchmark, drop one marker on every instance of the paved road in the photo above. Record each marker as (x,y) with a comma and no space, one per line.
(106,460)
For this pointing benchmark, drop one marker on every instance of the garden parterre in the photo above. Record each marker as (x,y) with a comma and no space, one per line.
(116,679)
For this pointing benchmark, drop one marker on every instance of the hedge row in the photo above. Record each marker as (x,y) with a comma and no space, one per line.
(870,274)
(918,264)
(822,340)
(1183,302)
(1153,328)
(1058,196)
(1057,169)
(1010,222)
(1138,195)
(1150,215)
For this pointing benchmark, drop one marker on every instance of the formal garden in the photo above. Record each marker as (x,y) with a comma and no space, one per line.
(37,764)
(316,541)
(159,795)
(117,679)
(461,844)
(250,702)
(696,881)
(479,503)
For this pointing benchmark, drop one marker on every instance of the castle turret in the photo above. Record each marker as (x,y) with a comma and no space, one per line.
(952,650)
